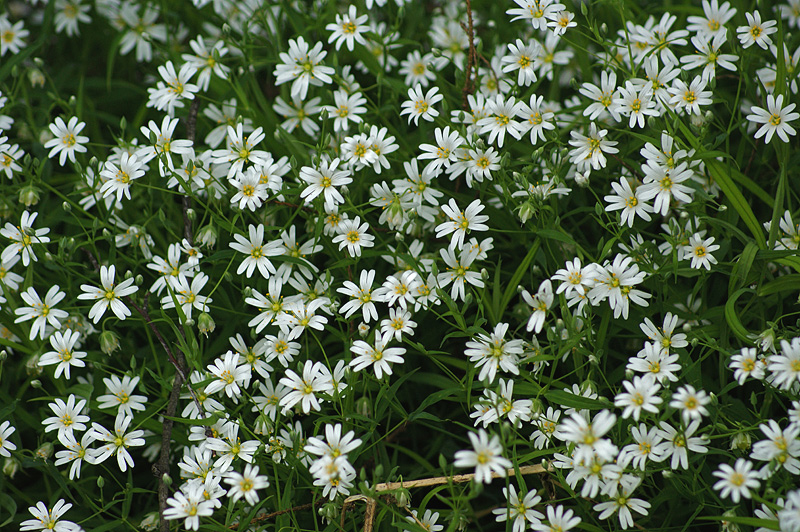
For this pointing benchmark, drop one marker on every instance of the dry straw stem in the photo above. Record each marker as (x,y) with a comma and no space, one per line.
(372,504)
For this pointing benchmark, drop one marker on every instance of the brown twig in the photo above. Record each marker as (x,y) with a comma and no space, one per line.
(469,86)
(372,502)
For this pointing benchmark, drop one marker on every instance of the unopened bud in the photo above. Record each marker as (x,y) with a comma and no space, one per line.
(29,195)
(205,324)
(208,236)
(11,467)
(101,482)
(403,498)
(166,479)
(45,451)
(741,442)
(109,342)
(32,367)
(363,329)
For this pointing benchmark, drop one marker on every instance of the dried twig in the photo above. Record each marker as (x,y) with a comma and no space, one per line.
(264,517)
(372,503)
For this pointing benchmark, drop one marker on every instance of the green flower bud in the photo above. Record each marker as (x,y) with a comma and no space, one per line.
(29,195)
(208,236)
(10,467)
(45,451)
(205,324)
(109,342)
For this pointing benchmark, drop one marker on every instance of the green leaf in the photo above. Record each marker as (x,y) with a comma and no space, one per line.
(562,398)
(722,177)
(740,520)
(781,284)
(742,267)
(733,319)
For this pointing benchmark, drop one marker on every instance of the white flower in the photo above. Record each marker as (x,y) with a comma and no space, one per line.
(421,106)
(23,236)
(540,303)
(690,97)
(588,436)
(501,119)
(302,67)
(192,505)
(352,234)
(76,452)
(631,202)
(49,519)
(304,388)
(692,403)
(187,296)
(360,297)
(379,357)
(699,251)
(257,252)
(415,69)
(240,150)
(636,103)
(589,150)
(348,29)
(623,503)
(246,484)
(6,430)
(229,375)
(520,511)
(486,457)
(64,354)
(348,107)
(736,481)
(172,88)
(494,352)
(775,119)
(785,368)
(641,394)
(644,448)
(559,519)
(462,222)
(756,32)
(459,271)
(444,152)
(118,179)
(521,57)
(42,312)
(747,364)
(120,395)
(67,417)
(67,141)
(677,444)
(108,295)
(118,441)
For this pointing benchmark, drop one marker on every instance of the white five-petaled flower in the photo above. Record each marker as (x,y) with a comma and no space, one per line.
(230,374)
(120,395)
(699,251)
(352,234)
(118,441)
(462,222)
(257,252)
(736,481)
(379,357)
(68,417)
(302,67)
(775,119)
(108,295)
(324,180)
(348,29)
(64,354)
(756,32)
(67,141)
(420,105)
(50,519)
(23,236)
(42,312)
(246,484)
(486,457)
(190,505)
